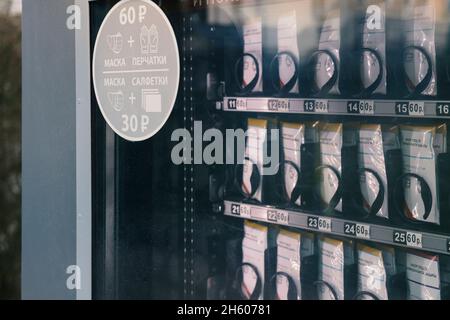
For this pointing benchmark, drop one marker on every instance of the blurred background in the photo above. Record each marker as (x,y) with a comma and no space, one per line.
(10,148)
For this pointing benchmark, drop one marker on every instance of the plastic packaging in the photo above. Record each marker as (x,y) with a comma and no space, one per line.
(254,247)
(331,142)
(254,154)
(288,53)
(293,138)
(423,278)
(373,52)
(293,248)
(420,148)
(420,47)
(374,142)
(334,256)
(253,50)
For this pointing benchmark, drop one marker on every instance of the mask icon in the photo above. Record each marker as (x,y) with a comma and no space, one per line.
(149,40)
(115,42)
(117,100)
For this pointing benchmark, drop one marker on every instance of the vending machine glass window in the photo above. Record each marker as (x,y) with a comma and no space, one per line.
(260,150)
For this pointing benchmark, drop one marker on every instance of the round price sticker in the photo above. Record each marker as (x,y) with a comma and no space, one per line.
(136,69)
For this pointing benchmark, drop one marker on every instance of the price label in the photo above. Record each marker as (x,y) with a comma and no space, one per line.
(409,239)
(316,106)
(412,108)
(278,217)
(448,245)
(443,109)
(278,105)
(237,104)
(240,210)
(365,107)
(321,224)
(361,231)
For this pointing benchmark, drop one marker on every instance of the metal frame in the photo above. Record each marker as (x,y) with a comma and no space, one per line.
(56,139)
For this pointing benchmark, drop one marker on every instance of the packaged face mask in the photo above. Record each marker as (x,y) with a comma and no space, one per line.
(374,142)
(373,52)
(254,154)
(374,267)
(331,142)
(420,47)
(334,256)
(423,278)
(292,249)
(420,148)
(288,53)
(327,67)
(293,138)
(254,247)
(253,55)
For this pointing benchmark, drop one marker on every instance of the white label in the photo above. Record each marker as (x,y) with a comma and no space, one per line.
(416,108)
(357,230)
(367,107)
(414,240)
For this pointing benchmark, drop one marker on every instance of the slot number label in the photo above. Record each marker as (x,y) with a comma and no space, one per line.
(240,210)
(278,105)
(278,217)
(320,224)
(316,106)
(443,109)
(361,107)
(237,104)
(357,230)
(409,239)
(448,245)
(415,108)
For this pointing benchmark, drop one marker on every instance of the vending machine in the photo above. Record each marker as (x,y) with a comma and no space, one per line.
(236,149)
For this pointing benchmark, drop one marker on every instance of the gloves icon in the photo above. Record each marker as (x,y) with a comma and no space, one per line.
(149,40)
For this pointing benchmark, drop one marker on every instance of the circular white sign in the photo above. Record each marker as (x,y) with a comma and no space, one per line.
(136,69)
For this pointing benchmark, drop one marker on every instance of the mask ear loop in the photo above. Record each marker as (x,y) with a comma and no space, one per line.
(292,288)
(326,88)
(379,200)
(367,92)
(423,85)
(360,294)
(319,283)
(239,280)
(246,89)
(284,89)
(425,193)
(254,180)
(298,190)
(338,194)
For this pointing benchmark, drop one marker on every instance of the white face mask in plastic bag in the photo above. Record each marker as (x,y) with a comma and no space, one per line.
(374,38)
(420,150)
(288,43)
(372,275)
(327,65)
(423,278)
(254,154)
(331,142)
(254,246)
(374,142)
(293,139)
(289,262)
(253,46)
(420,47)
